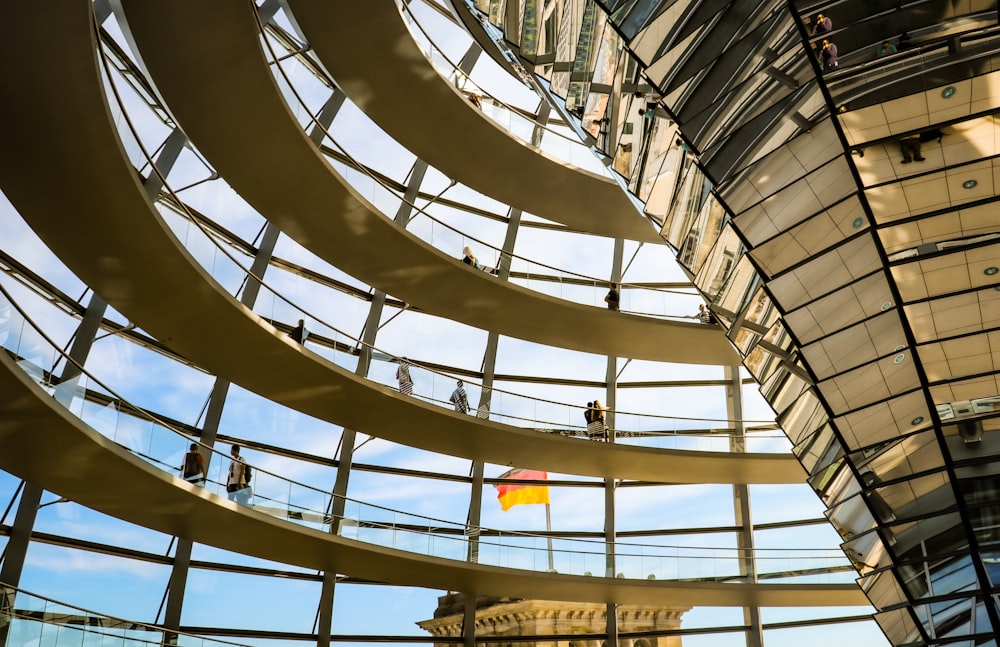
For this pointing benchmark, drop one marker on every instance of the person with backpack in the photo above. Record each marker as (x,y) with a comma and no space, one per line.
(238,482)
(193,467)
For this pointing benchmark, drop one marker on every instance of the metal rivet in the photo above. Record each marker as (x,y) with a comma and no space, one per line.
(990,271)
(898,359)
(886,306)
(899,348)
(969,184)
(948,92)
(917,420)
(858,222)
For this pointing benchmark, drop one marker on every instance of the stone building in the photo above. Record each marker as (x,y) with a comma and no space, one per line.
(505,617)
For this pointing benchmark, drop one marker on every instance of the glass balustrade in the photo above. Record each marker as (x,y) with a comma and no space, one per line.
(565,147)
(297,83)
(231,272)
(28,620)
(161,445)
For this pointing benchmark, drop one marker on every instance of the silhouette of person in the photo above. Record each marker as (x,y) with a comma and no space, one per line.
(193,468)
(613,297)
(299,332)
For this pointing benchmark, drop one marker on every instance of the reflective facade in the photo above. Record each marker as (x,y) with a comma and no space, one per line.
(848,244)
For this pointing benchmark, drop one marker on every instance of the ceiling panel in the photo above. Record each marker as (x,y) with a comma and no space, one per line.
(955,315)
(884,421)
(966,222)
(961,357)
(983,386)
(853,346)
(880,380)
(842,308)
(948,273)
(826,273)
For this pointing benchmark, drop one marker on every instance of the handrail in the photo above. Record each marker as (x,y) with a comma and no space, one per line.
(285,498)
(853,83)
(359,344)
(407,10)
(276,61)
(9,613)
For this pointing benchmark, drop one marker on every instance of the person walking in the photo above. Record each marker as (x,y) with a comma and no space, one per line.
(403,377)
(237,484)
(822,25)
(828,56)
(193,468)
(613,297)
(459,398)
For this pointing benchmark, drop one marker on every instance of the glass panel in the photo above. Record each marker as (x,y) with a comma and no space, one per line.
(901,458)
(898,626)
(882,588)
(875,424)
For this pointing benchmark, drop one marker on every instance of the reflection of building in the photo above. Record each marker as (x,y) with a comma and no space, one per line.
(506,617)
(856,271)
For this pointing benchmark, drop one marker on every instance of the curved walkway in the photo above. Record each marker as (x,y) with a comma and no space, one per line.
(103,227)
(74,461)
(220,89)
(371,54)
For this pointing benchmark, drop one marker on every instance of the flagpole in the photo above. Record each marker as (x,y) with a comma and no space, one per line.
(548,528)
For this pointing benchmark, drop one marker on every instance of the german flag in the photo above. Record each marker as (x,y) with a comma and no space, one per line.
(511,494)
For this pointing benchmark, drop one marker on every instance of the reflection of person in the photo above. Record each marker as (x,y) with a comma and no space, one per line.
(909,148)
(828,55)
(193,469)
(705,315)
(823,25)
(652,103)
(403,377)
(459,398)
(613,298)
(236,484)
(886,49)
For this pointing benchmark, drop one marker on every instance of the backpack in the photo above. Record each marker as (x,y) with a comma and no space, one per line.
(191,466)
(247,474)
